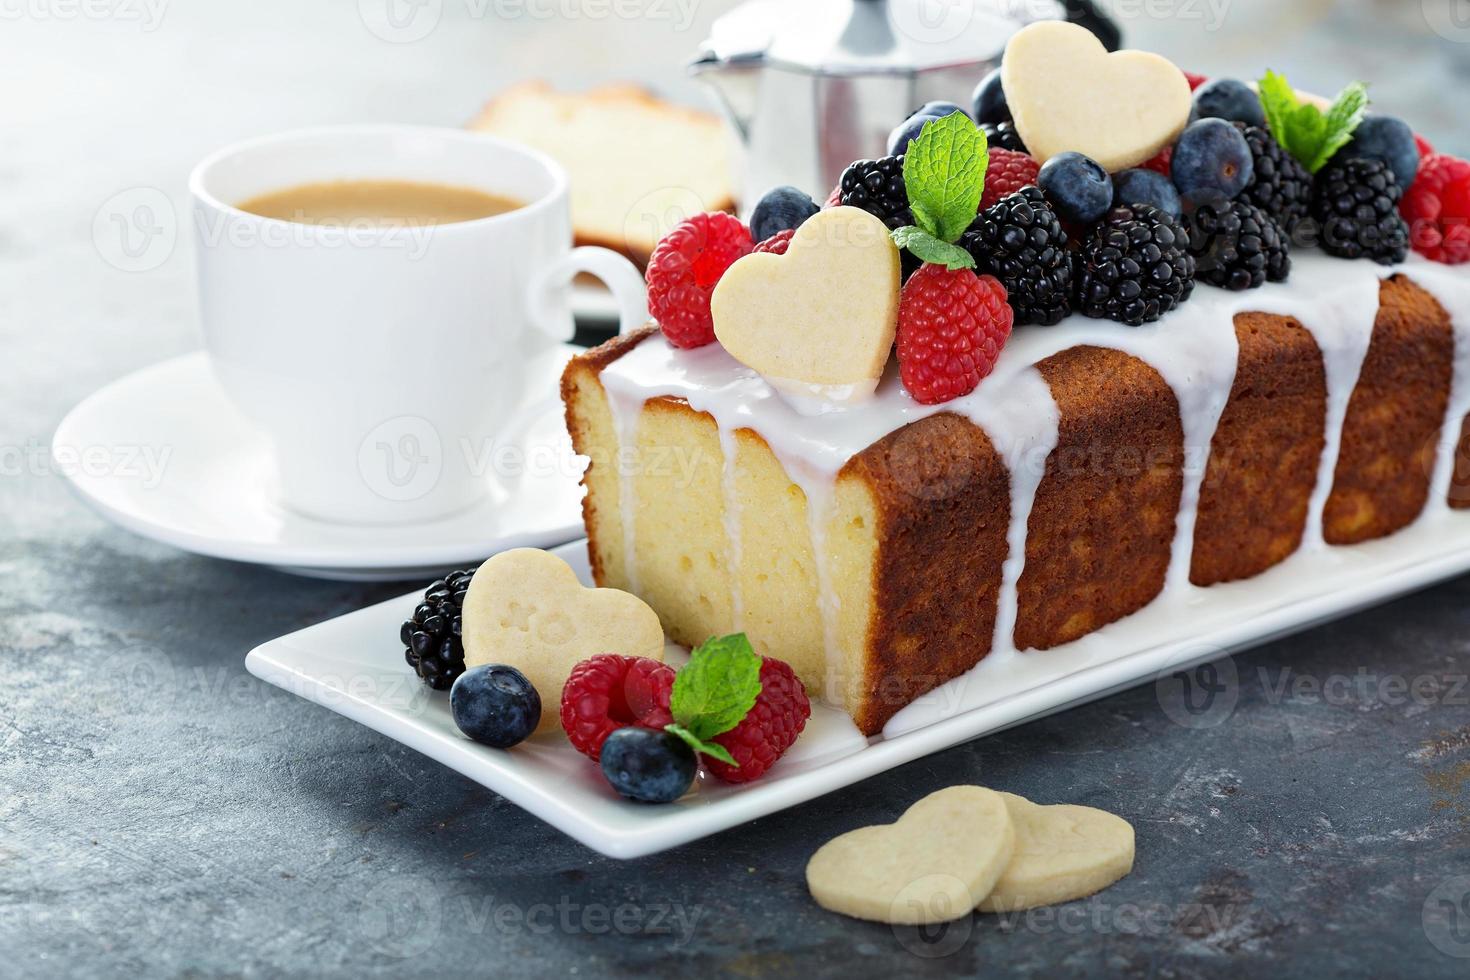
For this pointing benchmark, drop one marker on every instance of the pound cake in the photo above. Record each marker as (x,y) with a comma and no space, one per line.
(633,160)
(1086,415)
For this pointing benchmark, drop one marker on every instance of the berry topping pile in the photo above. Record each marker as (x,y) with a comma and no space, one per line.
(683,270)
(991,235)
(648,726)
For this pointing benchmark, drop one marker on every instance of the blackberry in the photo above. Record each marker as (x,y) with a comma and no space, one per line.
(1020,241)
(431,637)
(1356,204)
(1235,245)
(1279,184)
(1003,134)
(876,186)
(1134,266)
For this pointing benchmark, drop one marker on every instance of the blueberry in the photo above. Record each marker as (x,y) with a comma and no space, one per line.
(1228,98)
(495,705)
(648,765)
(1388,139)
(988,102)
(1078,188)
(906,132)
(937,109)
(1150,187)
(1212,158)
(781,208)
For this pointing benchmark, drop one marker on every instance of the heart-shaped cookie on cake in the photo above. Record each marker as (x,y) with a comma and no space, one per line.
(1067,92)
(1063,852)
(941,857)
(526,608)
(819,320)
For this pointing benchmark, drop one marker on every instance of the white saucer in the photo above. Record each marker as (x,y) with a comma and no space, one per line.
(164,455)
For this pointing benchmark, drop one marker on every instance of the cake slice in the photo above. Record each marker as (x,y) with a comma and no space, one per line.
(637,164)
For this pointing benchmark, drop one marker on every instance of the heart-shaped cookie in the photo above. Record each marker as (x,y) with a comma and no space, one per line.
(941,857)
(1066,92)
(821,317)
(525,608)
(1062,852)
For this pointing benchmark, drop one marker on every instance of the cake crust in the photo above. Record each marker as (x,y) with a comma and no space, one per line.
(1102,527)
(1391,433)
(1265,453)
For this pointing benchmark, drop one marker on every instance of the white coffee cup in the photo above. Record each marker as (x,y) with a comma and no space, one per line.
(379,359)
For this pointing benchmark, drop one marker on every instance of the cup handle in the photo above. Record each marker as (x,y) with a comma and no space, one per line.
(547,302)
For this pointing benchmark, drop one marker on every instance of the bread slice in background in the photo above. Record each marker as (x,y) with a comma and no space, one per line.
(638,165)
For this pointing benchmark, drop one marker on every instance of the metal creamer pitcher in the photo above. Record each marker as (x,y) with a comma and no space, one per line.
(811,85)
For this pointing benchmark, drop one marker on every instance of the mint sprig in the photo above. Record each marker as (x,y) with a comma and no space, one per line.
(1302,129)
(714,692)
(930,249)
(944,176)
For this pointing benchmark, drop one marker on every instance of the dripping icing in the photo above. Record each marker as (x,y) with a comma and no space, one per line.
(1193,348)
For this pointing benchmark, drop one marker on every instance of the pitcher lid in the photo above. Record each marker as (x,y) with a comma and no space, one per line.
(846,37)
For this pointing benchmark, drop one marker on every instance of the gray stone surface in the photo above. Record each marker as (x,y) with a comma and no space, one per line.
(162,813)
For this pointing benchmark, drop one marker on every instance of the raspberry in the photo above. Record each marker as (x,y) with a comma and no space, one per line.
(1161,162)
(683,270)
(1437,208)
(1195,81)
(610,691)
(835,198)
(1424,146)
(951,327)
(774,722)
(1007,172)
(777,243)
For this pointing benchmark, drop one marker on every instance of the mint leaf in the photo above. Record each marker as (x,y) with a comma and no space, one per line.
(716,689)
(700,745)
(930,249)
(1279,100)
(944,174)
(1304,130)
(1343,117)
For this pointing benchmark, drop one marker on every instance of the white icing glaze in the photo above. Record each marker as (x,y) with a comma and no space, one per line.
(1193,348)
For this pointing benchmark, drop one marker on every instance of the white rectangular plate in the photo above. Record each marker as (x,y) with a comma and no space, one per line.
(354,665)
